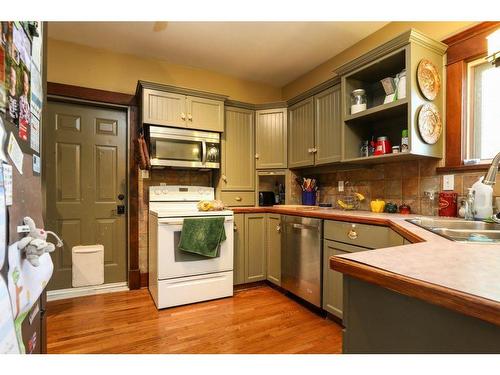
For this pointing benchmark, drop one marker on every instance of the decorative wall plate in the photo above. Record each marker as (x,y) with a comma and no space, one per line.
(430,125)
(428,78)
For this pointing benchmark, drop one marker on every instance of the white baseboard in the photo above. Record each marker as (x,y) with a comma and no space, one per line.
(53,295)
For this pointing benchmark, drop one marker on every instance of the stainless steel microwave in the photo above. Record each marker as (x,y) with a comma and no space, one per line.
(171,147)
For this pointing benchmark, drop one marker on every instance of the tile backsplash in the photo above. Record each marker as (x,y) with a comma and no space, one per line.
(403,182)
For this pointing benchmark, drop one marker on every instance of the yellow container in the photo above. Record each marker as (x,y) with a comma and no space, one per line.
(377,205)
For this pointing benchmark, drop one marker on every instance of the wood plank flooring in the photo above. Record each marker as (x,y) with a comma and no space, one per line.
(256,320)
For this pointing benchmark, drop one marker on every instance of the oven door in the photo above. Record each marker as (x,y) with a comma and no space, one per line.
(173,263)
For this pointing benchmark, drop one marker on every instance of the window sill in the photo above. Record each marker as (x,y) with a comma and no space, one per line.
(463,168)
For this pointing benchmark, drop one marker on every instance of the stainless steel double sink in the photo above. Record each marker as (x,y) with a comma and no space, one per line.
(460,230)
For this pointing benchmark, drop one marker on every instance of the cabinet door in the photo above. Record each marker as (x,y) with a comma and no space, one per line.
(163,108)
(328,126)
(301,134)
(332,281)
(205,114)
(273,234)
(238,161)
(255,242)
(270,139)
(239,249)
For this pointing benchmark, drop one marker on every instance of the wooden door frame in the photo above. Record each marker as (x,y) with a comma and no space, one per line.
(75,94)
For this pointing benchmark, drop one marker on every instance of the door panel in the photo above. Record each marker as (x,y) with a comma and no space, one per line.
(85,164)
(274,248)
(255,240)
(205,114)
(239,249)
(238,167)
(301,134)
(328,126)
(332,281)
(270,139)
(164,108)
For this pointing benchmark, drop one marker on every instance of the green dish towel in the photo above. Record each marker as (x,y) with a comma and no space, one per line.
(202,235)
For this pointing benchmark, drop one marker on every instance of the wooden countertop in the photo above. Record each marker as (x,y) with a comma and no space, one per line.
(459,276)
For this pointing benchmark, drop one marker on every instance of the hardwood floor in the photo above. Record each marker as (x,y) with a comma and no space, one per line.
(257,320)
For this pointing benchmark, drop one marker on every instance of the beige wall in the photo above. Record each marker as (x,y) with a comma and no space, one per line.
(79,65)
(323,72)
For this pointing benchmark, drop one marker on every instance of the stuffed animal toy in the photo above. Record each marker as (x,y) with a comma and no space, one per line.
(35,244)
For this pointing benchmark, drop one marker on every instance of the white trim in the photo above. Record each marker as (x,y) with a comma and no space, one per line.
(53,295)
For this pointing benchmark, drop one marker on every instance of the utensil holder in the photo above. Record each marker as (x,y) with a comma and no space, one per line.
(309,198)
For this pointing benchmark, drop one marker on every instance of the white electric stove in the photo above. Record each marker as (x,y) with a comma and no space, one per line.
(177,277)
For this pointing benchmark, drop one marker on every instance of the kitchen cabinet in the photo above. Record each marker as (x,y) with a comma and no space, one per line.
(273,238)
(301,134)
(255,252)
(314,129)
(182,111)
(343,238)
(239,249)
(332,280)
(238,198)
(238,162)
(271,138)
(328,126)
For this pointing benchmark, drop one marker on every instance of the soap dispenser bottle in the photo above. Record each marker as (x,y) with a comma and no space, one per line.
(483,201)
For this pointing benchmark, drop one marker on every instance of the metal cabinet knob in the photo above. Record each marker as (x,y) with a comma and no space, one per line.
(278,228)
(183,115)
(238,199)
(257,156)
(352,234)
(224,178)
(190,117)
(235,227)
(315,150)
(310,150)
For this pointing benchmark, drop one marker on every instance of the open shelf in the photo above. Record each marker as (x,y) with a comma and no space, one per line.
(380,112)
(387,158)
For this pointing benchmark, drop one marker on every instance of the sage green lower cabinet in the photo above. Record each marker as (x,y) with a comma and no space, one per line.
(239,249)
(332,281)
(255,253)
(273,238)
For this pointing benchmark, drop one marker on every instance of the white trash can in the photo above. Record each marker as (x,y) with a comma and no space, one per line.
(88,265)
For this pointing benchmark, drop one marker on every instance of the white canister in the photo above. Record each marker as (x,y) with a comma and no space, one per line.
(483,201)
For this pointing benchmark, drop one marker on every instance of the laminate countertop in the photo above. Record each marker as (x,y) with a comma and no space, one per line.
(461,276)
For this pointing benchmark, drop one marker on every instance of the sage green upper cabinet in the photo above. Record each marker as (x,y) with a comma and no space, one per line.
(255,251)
(163,108)
(205,114)
(271,139)
(238,161)
(180,107)
(273,236)
(328,126)
(301,134)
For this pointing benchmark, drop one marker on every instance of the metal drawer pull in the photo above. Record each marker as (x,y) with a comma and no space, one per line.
(238,199)
(235,227)
(352,234)
(278,228)
(257,156)
(224,178)
(183,115)
(190,117)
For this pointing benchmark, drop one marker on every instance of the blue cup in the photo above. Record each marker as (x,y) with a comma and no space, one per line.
(309,198)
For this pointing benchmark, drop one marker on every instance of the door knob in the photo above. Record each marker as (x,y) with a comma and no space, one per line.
(121,197)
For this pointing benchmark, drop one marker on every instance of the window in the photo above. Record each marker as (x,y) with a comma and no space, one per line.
(482,133)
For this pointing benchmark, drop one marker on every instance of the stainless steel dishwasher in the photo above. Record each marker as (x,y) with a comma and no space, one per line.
(301,257)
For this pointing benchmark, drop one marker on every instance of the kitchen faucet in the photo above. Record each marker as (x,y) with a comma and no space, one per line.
(490,177)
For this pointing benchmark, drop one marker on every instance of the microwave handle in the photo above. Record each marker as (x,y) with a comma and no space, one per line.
(204,152)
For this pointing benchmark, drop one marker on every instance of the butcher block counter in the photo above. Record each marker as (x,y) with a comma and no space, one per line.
(461,277)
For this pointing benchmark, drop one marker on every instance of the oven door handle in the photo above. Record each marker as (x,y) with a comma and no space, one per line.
(179,222)
(204,152)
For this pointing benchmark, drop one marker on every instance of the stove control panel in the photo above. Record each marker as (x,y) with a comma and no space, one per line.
(179,193)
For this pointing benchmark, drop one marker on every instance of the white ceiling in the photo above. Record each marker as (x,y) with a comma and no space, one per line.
(271,52)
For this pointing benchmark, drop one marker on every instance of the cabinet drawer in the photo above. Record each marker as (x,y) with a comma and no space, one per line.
(238,198)
(370,236)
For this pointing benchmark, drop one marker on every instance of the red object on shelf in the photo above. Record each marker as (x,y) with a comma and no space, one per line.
(404,209)
(448,204)
(383,146)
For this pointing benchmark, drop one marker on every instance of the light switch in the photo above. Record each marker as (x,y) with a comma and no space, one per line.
(341,186)
(448,182)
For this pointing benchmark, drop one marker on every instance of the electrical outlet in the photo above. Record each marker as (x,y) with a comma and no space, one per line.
(144,173)
(448,182)
(341,186)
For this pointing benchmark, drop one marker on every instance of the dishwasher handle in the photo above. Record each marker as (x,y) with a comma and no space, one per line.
(305,226)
